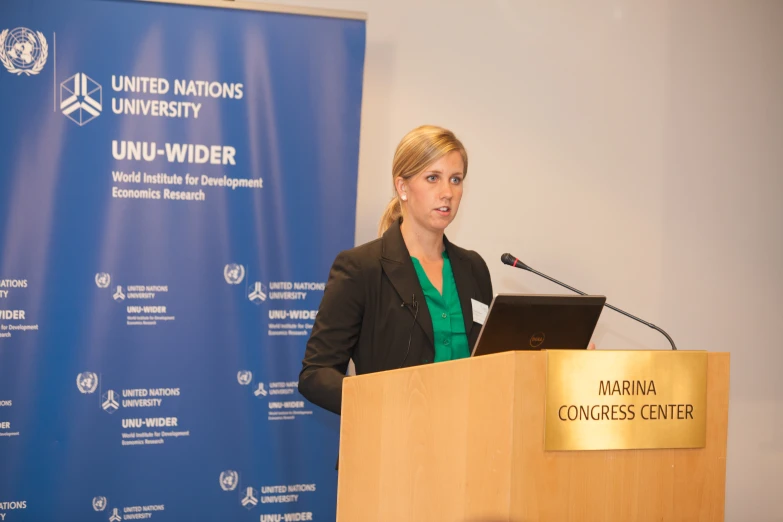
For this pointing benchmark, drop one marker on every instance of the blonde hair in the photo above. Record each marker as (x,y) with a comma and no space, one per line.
(419,148)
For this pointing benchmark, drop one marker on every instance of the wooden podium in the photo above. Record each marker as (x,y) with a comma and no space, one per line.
(464,441)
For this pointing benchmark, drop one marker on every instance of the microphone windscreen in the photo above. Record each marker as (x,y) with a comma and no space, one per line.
(513,261)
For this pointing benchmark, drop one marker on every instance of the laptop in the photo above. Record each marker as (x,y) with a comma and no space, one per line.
(538,322)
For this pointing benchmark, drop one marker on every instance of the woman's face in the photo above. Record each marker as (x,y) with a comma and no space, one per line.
(431,198)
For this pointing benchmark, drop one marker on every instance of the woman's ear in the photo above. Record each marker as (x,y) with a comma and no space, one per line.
(399,186)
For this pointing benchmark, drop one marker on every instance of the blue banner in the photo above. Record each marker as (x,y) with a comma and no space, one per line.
(175,182)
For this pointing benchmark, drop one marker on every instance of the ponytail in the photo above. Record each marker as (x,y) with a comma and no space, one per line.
(390,215)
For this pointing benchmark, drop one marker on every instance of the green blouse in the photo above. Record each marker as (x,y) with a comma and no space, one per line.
(451,342)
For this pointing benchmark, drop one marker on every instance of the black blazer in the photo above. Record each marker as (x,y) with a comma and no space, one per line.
(362,315)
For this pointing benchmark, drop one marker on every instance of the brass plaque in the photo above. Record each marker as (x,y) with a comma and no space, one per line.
(600,400)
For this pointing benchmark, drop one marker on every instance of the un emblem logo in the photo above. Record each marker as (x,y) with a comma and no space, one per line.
(87,382)
(102,279)
(234,273)
(229,480)
(99,503)
(23,51)
(244,377)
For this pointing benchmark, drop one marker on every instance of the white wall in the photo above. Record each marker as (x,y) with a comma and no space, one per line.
(630,148)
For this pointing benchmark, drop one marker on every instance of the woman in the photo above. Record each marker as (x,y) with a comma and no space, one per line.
(405,298)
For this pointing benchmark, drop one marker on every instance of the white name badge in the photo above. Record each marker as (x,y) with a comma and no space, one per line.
(479,311)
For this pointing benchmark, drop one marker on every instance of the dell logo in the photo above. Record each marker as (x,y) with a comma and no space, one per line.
(537,339)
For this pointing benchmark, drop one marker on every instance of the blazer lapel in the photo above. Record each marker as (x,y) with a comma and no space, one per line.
(397,264)
(463,278)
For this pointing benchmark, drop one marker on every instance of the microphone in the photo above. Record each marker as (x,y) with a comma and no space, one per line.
(510,260)
(413,306)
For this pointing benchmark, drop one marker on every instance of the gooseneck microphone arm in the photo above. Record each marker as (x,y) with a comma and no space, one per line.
(510,260)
